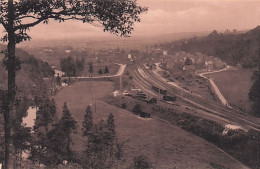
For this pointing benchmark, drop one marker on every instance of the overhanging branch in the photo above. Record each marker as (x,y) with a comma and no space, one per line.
(24,17)
(25,26)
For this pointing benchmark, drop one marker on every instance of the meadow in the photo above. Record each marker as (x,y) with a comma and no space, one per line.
(235,86)
(166,145)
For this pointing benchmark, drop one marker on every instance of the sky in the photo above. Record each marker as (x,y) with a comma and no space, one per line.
(168,16)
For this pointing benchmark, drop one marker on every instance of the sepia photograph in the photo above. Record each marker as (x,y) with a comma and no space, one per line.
(129,84)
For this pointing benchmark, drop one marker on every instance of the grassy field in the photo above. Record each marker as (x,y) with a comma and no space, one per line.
(113,68)
(166,145)
(235,86)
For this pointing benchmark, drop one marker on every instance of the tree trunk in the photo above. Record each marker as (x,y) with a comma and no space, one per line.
(9,112)
(68,148)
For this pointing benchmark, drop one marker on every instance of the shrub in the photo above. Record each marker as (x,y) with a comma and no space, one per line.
(141,162)
(124,106)
(137,109)
(145,115)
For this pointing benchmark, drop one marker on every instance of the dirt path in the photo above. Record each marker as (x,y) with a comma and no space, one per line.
(215,87)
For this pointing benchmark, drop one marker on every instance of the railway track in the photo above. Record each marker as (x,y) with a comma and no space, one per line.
(145,79)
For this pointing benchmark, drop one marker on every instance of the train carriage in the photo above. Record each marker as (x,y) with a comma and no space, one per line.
(159,90)
(169,98)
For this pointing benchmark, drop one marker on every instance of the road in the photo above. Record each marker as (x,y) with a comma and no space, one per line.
(119,73)
(145,79)
(218,93)
(215,87)
(216,71)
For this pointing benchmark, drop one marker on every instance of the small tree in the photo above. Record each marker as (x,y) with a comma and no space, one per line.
(88,122)
(80,65)
(111,129)
(100,71)
(53,111)
(137,109)
(91,70)
(106,70)
(111,123)
(68,125)
(141,162)
(188,61)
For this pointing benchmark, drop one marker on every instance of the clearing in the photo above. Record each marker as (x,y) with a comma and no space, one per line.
(166,145)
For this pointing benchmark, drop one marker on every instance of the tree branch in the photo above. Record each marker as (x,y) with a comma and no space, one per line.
(24,17)
(3,23)
(24,26)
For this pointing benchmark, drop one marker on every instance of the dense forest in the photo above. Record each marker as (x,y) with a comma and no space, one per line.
(231,47)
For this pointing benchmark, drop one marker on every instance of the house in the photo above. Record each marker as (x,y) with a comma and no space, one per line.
(189,68)
(165,53)
(67,51)
(116,93)
(64,84)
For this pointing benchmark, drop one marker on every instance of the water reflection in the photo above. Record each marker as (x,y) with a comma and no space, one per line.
(29,120)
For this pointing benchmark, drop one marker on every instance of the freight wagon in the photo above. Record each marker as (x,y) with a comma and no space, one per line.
(159,90)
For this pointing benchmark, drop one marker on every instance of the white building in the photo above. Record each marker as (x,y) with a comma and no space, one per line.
(165,53)
(67,51)
(58,73)
(116,93)
(129,56)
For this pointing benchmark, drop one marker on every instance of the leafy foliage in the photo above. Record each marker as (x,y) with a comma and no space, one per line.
(68,66)
(115,16)
(72,67)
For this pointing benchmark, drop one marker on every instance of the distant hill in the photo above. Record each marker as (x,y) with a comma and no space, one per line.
(232,48)
(42,68)
(29,78)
